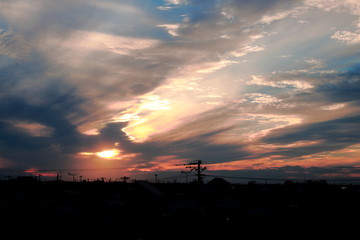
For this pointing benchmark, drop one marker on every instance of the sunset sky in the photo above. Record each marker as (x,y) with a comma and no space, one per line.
(262,88)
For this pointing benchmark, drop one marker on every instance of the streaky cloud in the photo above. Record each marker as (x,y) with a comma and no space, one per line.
(331,135)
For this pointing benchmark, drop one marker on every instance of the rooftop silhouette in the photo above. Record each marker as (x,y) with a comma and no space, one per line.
(144,210)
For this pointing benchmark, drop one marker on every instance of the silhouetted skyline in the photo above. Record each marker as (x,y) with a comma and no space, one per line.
(143,210)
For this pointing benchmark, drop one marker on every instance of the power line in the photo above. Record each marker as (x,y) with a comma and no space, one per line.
(289,179)
(59,170)
(254,178)
(196,166)
(196,173)
(172,177)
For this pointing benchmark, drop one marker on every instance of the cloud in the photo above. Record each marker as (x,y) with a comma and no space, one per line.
(97,63)
(351,6)
(332,174)
(332,107)
(232,130)
(89,59)
(42,136)
(350,38)
(318,86)
(276,81)
(170,28)
(201,80)
(30,134)
(247,49)
(34,129)
(341,87)
(171,4)
(315,63)
(85,42)
(176,2)
(13,45)
(347,37)
(194,126)
(261,98)
(269,124)
(332,135)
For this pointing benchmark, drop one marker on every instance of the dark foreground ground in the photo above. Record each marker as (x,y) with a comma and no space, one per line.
(142,210)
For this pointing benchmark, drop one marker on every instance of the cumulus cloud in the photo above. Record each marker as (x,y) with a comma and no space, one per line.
(351,6)
(347,37)
(171,28)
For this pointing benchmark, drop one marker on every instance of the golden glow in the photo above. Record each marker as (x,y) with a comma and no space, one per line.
(140,133)
(91,132)
(108,153)
(140,116)
(156,104)
(86,153)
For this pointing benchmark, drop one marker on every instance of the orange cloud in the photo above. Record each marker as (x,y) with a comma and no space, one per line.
(36,172)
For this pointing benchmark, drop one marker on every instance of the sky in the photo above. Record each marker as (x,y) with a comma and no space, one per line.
(263,88)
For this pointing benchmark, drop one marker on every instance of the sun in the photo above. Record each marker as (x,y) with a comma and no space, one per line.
(108,153)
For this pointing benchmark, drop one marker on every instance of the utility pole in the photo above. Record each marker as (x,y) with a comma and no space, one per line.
(58,176)
(125,178)
(73,175)
(186,176)
(196,166)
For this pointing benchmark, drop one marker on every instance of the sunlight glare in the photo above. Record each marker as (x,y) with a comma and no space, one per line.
(108,153)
